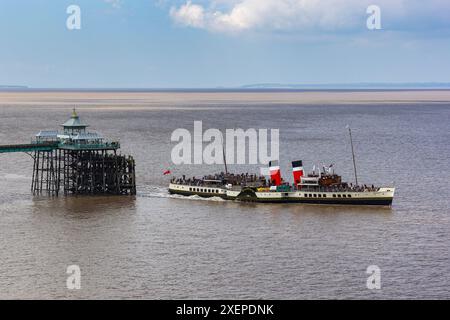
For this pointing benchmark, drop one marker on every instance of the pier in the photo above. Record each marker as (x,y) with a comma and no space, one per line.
(77,162)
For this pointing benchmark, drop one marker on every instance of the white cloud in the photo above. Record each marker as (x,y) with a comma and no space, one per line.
(233,16)
(269,14)
(191,15)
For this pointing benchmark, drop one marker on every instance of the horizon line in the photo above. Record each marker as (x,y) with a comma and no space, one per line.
(357,86)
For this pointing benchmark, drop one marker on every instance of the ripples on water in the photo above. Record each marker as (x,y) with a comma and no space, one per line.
(159,246)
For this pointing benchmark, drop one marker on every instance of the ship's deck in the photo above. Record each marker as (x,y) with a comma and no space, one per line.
(383,196)
(307,190)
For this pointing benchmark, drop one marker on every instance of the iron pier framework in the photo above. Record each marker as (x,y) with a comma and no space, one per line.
(83,172)
(77,162)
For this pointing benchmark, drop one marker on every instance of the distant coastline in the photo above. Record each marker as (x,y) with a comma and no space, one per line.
(13,87)
(353,86)
(261,87)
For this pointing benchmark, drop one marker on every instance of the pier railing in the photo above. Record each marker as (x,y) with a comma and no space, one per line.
(53,145)
(90,146)
(29,147)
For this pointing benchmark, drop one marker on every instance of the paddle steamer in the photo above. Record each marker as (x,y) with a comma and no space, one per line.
(323,186)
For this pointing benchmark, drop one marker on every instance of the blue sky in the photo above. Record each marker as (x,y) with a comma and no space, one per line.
(210,43)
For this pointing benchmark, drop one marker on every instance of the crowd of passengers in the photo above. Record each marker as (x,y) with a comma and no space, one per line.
(231,178)
(344,188)
(245,179)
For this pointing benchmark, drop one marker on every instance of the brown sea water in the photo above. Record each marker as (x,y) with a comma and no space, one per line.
(159,246)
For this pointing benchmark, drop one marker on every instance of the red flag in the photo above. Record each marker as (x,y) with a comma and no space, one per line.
(167,172)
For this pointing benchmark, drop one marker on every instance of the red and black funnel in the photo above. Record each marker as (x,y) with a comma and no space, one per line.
(297,170)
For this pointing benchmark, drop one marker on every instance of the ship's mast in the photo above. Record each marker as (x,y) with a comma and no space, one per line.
(224,157)
(353,153)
